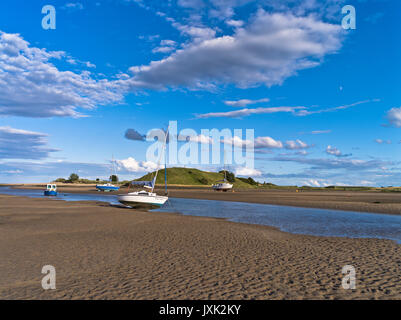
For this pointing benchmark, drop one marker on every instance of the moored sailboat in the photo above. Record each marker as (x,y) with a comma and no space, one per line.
(144,198)
(108,187)
(223,185)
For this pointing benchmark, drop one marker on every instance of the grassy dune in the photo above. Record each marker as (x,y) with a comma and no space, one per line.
(191,177)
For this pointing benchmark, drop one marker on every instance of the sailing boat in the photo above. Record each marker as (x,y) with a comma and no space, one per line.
(108,187)
(144,198)
(223,185)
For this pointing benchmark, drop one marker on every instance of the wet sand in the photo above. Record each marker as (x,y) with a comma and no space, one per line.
(368,201)
(104,252)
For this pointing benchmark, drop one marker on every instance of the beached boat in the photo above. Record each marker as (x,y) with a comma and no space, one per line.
(51,190)
(223,185)
(144,198)
(108,187)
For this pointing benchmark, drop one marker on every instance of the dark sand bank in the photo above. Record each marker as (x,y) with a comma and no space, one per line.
(104,252)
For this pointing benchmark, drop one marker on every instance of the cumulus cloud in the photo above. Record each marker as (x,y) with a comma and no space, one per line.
(247,172)
(333,151)
(235,23)
(245,102)
(32,86)
(165,46)
(336,152)
(258,143)
(267,51)
(314,183)
(296,145)
(267,142)
(132,165)
(394,117)
(22,144)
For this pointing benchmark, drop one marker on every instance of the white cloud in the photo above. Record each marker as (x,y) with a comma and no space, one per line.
(12,171)
(235,23)
(336,152)
(394,117)
(320,131)
(267,142)
(237,142)
(165,46)
(32,86)
(163,49)
(296,145)
(194,4)
(245,102)
(73,5)
(167,42)
(258,143)
(270,49)
(310,111)
(297,111)
(248,172)
(197,33)
(312,183)
(381,141)
(23,144)
(247,112)
(132,165)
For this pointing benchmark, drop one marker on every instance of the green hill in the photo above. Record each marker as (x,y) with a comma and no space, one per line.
(191,177)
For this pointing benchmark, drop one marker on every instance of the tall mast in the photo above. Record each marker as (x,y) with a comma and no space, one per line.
(224,166)
(160,157)
(111,169)
(165,171)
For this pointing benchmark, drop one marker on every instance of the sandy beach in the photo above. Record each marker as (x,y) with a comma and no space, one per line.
(104,252)
(368,201)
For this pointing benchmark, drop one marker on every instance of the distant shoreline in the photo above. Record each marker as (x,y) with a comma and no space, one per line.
(358,201)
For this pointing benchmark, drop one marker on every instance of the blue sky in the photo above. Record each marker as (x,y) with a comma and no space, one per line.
(324,102)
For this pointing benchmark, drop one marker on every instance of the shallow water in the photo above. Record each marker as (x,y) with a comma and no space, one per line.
(318,222)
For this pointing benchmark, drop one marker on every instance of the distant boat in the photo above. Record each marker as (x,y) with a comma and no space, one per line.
(143,198)
(108,187)
(223,185)
(51,190)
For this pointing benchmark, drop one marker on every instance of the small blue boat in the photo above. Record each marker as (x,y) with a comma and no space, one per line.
(51,190)
(107,187)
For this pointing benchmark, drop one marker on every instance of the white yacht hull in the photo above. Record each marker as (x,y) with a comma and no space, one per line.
(136,200)
(222,186)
